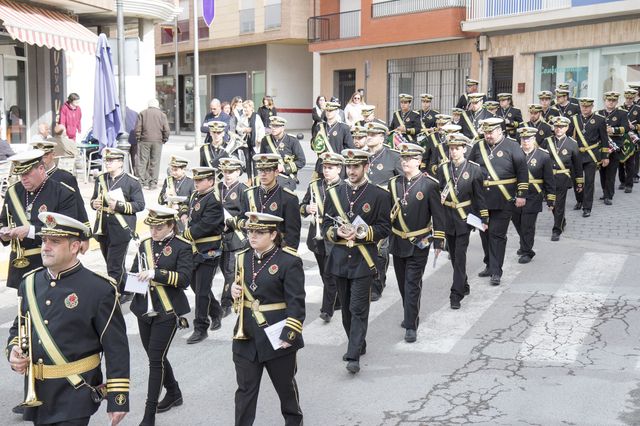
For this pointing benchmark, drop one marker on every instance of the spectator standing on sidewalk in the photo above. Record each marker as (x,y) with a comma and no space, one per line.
(71,116)
(152,131)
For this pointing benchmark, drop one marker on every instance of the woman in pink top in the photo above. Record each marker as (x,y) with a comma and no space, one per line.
(71,116)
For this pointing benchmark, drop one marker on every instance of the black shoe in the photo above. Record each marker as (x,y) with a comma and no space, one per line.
(578,206)
(601,198)
(215,324)
(495,279)
(375,296)
(18,409)
(555,237)
(325,316)
(197,337)
(149,418)
(363,351)
(484,273)
(520,252)
(621,186)
(586,213)
(628,190)
(455,304)
(126,298)
(402,324)
(636,179)
(169,401)
(466,290)
(525,258)
(226,311)
(608,202)
(353,367)
(410,335)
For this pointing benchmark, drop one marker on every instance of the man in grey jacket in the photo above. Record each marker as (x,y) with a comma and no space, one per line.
(152,131)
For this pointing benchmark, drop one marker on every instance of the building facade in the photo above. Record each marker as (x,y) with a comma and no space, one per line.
(392,47)
(254,48)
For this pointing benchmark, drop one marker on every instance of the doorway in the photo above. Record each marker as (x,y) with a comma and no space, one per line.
(501,72)
(345,83)
(227,86)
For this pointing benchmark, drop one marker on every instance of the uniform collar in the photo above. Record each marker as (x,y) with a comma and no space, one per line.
(271,190)
(266,253)
(52,170)
(62,274)
(202,194)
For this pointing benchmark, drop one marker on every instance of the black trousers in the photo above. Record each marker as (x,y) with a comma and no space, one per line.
(457,245)
(494,240)
(382,265)
(156,335)
(626,171)
(637,164)
(562,184)
(282,372)
(586,196)
(228,268)
(409,271)
(608,175)
(206,303)
(114,255)
(329,290)
(355,298)
(525,224)
(83,421)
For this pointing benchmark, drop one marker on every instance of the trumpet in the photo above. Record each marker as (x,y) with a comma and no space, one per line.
(21,260)
(316,219)
(143,266)
(24,339)
(347,227)
(238,307)
(99,213)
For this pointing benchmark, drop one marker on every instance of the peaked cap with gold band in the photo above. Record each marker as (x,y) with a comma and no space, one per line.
(367,110)
(451,128)
(59,225)
(217,126)
(527,132)
(159,215)
(404,97)
(426,97)
(355,156)
(332,158)
(23,162)
(458,139)
(535,107)
(113,154)
(475,97)
(586,101)
(612,96)
(266,161)
(46,146)
(276,120)
(203,172)
(410,150)
(491,123)
(231,164)
(178,161)
(471,82)
(545,94)
(261,221)
(560,121)
(359,131)
(442,118)
(375,127)
(331,106)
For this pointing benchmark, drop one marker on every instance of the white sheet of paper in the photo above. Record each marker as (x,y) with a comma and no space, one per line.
(116,195)
(134,285)
(475,221)
(358,221)
(227,215)
(273,333)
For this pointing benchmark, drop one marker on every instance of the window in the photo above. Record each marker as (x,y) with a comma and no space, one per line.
(272,14)
(247,16)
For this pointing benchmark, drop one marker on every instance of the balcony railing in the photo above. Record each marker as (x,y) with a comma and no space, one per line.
(399,7)
(335,26)
(487,9)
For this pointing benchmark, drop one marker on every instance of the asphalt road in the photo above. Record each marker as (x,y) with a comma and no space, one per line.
(556,343)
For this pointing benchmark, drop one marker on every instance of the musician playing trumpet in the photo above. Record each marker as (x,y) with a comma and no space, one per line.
(313,205)
(75,320)
(270,285)
(165,261)
(177,184)
(288,148)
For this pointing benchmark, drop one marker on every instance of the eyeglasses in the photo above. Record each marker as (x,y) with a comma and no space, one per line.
(356,99)
(258,231)
(265,171)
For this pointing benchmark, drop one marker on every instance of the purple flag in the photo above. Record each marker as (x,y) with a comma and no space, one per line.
(208,11)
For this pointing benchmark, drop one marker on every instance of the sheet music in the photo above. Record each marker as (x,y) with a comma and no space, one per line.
(116,195)
(273,333)
(134,285)
(475,221)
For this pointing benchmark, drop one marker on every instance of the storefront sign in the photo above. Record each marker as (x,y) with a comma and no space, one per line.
(58,81)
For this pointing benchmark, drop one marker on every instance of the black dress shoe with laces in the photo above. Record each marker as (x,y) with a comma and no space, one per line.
(410,335)
(578,206)
(484,273)
(353,367)
(586,213)
(495,279)
(197,337)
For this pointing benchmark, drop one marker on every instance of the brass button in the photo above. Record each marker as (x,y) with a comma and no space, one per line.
(48,302)
(152,288)
(349,256)
(46,322)
(39,342)
(53,283)
(40,361)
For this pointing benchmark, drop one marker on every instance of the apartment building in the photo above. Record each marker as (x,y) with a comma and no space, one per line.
(254,48)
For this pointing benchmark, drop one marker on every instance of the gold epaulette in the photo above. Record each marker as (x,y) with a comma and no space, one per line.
(243,250)
(623,109)
(432,178)
(384,188)
(473,162)
(135,177)
(107,278)
(289,191)
(183,239)
(33,271)
(68,187)
(291,251)
(543,150)
(251,188)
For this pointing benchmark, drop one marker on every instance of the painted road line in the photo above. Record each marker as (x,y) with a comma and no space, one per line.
(561,330)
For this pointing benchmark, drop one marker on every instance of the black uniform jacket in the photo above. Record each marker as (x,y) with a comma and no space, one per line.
(618,120)
(383,165)
(80,310)
(279,279)
(463,100)
(233,237)
(550,113)
(182,187)
(541,182)
(210,156)
(280,202)
(289,149)
(206,221)
(544,130)
(53,197)
(68,179)
(319,188)
(428,118)
(508,162)
(512,119)
(372,204)
(591,135)
(132,190)
(339,135)
(410,120)
(438,152)
(471,122)
(463,193)
(566,160)
(172,262)
(416,210)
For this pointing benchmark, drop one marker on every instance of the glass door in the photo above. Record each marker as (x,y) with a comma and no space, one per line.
(15,98)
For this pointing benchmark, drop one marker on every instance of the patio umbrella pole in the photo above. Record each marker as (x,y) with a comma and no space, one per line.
(123,138)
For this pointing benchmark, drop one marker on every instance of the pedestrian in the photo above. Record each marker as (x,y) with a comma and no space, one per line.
(215,114)
(65,147)
(165,262)
(353,110)
(253,133)
(236,115)
(269,290)
(317,114)
(76,320)
(152,131)
(44,132)
(267,109)
(71,116)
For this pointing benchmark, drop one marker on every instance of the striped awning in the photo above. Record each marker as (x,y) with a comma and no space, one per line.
(43,27)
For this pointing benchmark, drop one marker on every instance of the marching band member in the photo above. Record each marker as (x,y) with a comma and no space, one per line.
(541,187)
(471,89)
(618,128)
(269,290)
(462,194)
(440,150)
(165,261)
(211,153)
(512,116)
(351,259)
(629,165)
(313,204)
(359,135)
(415,198)
(427,114)
(331,135)
(117,196)
(288,148)
(177,184)
(405,120)
(204,229)
(368,116)
(472,118)
(548,111)
(75,318)
(544,129)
